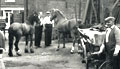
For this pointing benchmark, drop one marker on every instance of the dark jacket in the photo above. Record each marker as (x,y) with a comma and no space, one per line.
(114,39)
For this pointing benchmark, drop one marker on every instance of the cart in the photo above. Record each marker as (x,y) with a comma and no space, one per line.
(90,45)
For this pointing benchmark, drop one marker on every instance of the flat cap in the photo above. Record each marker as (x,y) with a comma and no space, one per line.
(110,18)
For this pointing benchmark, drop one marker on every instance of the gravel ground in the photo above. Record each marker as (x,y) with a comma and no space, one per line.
(44,58)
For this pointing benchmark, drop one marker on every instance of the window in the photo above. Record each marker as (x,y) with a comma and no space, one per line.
(9,0)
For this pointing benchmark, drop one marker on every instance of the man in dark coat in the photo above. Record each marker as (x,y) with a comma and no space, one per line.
(38,31)
(11,18)
(111,44)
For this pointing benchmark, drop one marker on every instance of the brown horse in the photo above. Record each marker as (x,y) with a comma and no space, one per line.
(19,29)
(65,26)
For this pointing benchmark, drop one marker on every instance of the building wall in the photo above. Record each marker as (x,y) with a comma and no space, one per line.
(16,8)
(17,2)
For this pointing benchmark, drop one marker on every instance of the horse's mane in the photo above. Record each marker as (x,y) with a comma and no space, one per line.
(60,12)
(32,18)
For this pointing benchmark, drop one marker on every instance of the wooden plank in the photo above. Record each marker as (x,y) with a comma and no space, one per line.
(95,12)
(86,9)
(114,5)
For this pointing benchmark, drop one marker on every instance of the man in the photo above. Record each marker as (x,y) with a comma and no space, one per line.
(111,44)
(48,29)
(11,18)
(38,31)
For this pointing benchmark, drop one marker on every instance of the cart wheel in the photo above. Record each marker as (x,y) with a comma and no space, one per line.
(90,65)
(103,65)
(87,64)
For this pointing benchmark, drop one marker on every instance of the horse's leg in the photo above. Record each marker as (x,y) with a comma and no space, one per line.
(16,45)
(31,43)
(73,47)
(74,36)
(26,44)
(11,38)
(80,48)
(64,40)
(84,50)
(58,42)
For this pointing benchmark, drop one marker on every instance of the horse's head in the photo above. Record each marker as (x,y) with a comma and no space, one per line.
(56,13)
(33,18)
(53,14)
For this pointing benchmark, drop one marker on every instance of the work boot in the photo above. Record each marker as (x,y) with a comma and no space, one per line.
(10,54)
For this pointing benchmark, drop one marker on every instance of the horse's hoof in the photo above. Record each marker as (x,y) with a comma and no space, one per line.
(80,51)
(10,54)
(31,51)
(57,49)
(72,52)
(26,51)
(19,54)
(83,61)
(64,47)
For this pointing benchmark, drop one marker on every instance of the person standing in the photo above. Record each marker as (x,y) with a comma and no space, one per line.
(11,18)
(38,31)
(48,29)
(111,44)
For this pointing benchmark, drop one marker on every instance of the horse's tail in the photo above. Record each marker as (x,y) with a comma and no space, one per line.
(73,25)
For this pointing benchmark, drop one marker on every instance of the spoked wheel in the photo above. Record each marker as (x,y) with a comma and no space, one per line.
(87,64)
(84,54)
(91,65)
(103,65)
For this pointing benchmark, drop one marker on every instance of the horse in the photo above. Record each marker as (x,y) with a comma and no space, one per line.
(65,26)
(18,30)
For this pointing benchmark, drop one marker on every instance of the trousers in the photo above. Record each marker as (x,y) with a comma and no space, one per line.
(48,34)
(113,61)
(38,35)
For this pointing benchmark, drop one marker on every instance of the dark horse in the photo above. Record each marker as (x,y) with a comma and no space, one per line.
(65,26)
(22,29)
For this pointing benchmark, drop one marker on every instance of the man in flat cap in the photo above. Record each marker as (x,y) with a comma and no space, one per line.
(48,29)
(111,44)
